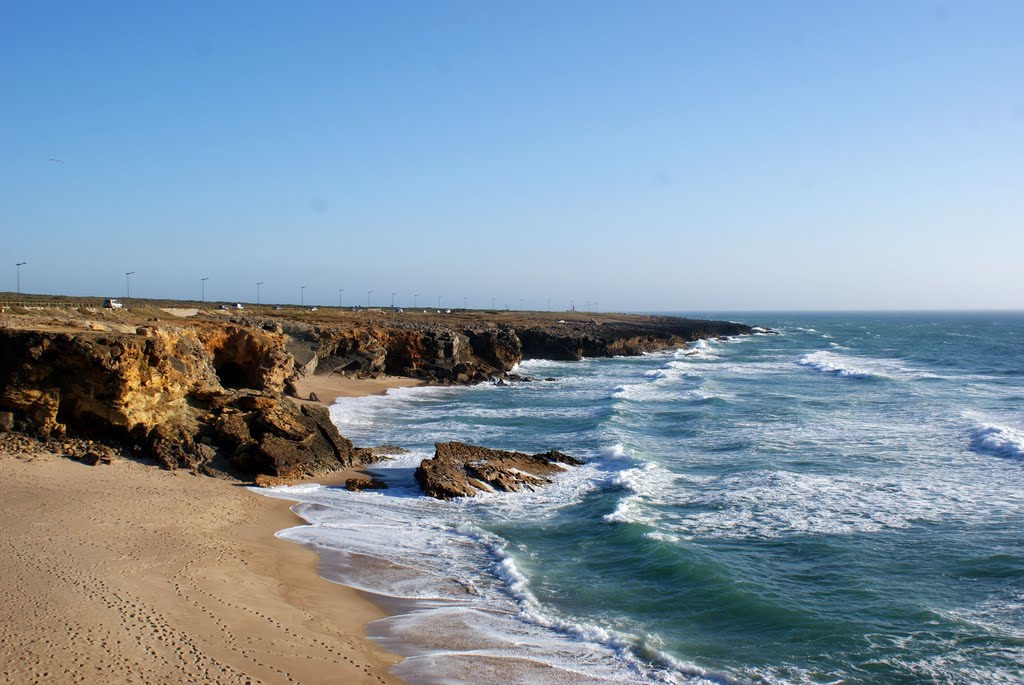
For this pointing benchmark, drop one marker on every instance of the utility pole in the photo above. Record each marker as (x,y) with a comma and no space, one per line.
(492,302)
(128,284)
(368,293)
(302,295)
(340,291)
(438,301)
(393,300)
(19,265)
(549,304)
(258,292)
(415,297)
(203,282)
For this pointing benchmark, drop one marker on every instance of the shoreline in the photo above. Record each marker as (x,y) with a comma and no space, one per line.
(130,573)
(329,387)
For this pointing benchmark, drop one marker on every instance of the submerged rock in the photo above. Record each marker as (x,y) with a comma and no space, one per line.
(460,470)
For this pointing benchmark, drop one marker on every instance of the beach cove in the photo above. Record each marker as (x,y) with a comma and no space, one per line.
(122,570)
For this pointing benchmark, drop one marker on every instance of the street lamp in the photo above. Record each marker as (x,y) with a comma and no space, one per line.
(415,296)
(340,291)
(302,295)
(368,293)
(438,301)
(128,284)
(258,292)
(19,265)
(492,302)
(203,281)
(393,300)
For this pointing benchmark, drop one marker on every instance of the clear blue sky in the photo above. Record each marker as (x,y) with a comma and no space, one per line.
(643,155)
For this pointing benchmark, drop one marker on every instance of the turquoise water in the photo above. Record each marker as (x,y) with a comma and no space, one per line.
(842,502)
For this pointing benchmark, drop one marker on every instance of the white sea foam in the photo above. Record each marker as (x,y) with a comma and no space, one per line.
(849,366)
(646,485)
(999,441)
(474,604)
(616,452)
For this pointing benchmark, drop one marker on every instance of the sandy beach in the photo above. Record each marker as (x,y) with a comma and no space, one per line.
(330,387)
(128,573)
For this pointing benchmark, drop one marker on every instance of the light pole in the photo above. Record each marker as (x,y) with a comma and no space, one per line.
(302,295)
(258,292)
(393,300)
(465,303)
(492,302)
(368,293)
(438,301)
(340,291)
(128,284)
(415,297)
(203,282)
(19,265)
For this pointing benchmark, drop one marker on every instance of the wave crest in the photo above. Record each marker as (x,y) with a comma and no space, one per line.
(998,441)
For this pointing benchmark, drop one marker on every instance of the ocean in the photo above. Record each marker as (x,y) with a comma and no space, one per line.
(840,502)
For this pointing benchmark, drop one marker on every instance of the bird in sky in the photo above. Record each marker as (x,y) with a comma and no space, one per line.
(56,161)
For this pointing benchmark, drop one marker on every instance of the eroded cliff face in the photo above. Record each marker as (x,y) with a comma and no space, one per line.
(206,397)
(443,353)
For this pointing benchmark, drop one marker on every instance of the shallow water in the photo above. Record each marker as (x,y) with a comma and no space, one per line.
(842,502)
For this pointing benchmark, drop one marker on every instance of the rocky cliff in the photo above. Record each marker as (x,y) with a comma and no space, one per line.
(476,351)
(208,395)
(204,397)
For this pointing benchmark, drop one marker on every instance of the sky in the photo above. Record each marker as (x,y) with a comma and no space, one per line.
(624,156)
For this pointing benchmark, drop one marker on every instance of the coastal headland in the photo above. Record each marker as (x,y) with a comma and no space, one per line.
(124,571)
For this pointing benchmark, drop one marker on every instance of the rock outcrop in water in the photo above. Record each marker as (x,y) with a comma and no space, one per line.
(460,470)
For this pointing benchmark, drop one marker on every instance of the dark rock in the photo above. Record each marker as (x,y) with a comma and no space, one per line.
(91,458)
(6,421)
(358,484)
(313,397)
(460,470)
(369,455)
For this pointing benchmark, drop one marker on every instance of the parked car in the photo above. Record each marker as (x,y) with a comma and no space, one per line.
(111,303)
